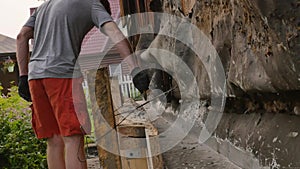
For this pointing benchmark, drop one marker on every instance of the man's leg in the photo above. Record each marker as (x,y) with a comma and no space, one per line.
(68,104)
(74,149)
(55,152)
(45,124)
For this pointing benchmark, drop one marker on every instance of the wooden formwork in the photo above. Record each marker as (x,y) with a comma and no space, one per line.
(101,87)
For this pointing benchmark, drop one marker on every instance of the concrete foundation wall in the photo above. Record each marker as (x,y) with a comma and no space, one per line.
(258,44)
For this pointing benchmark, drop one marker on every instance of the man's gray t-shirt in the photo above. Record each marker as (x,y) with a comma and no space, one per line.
(59,29)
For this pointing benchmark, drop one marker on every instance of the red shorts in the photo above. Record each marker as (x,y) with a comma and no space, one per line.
(59,107)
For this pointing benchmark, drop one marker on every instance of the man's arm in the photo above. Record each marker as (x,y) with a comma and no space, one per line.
(140,78)
(111,30)
(23,38)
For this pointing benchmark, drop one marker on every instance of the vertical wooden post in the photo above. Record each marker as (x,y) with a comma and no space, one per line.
(100,92)
(187,6)
(116,93)
(155,162)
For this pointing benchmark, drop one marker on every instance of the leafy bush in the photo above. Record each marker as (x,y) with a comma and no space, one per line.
(19,148)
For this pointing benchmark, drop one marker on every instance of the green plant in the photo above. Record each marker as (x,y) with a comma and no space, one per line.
(137,95)
(19,148)
(8,65)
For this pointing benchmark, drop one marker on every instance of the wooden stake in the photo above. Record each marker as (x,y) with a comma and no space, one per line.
(100,92)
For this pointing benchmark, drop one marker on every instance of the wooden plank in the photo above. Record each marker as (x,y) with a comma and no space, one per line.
(133,151)
(116,93)
(153,147)
(122,13)
(143,147)
(100,93)
(187,6)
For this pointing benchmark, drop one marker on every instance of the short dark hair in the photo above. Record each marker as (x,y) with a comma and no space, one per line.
(106,5)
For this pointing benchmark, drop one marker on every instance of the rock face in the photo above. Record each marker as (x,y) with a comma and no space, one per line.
(258,44)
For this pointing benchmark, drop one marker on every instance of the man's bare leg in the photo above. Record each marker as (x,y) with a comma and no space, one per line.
(55,152)
(74,149)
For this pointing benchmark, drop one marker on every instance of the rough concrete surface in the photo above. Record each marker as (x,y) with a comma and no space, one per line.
(272,138)
(189,154)
(258,44)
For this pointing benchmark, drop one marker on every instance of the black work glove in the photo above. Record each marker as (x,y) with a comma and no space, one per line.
(24,88)
(141,80)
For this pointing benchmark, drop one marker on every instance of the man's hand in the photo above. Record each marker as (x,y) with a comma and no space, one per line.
(24,88)
(140,80)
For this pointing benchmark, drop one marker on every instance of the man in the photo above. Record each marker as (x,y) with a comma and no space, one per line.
(59,108)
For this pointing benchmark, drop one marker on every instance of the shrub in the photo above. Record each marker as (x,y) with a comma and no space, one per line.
(19,148)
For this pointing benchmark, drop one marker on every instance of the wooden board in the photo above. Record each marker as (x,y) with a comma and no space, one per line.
(133,150)
(100,93)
